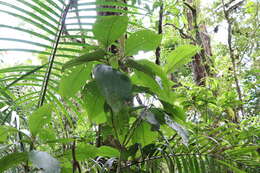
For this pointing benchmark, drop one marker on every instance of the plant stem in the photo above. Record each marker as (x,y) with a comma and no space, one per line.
(51,60)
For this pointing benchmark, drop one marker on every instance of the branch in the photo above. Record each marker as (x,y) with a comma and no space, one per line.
(235,6)
(183,35)
(159,157)
(225,5)
(193,10)
(65,32)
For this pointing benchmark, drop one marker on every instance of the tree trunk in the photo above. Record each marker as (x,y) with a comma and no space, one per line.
(200,65)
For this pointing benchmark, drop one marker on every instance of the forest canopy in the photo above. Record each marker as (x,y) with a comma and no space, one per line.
(118,86)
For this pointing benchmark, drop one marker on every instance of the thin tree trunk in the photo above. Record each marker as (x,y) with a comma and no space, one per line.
(160,30)
(232,56)
(199,70)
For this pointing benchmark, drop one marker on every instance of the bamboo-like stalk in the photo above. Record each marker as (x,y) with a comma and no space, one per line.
(52,57)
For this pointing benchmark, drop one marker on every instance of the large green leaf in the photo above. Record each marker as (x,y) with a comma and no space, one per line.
(144,40)
(107,151)
(83,152)
(12,160)
(155,85)
(94,103)
(108,29)
(39,118)
(142,79)
(144,135)
(45,161)
(114,85)
(180,56)
(156,73)
(176,111)
(120,121)
(70,84)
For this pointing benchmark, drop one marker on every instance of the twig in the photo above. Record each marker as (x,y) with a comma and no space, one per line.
(183,35)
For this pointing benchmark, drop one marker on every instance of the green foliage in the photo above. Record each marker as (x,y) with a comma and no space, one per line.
(180,56)
(72,82)
(141,40)
(87,57)
(114,86)
(106,151)
(107,29)
(12,160)
(94,103)
(144,135)
(39,118)
(105,110)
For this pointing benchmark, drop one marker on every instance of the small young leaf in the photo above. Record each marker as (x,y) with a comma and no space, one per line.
(180,56)
(94,103)
(39,118)
(108,29)
(45,161)
(115,86)
(144,40)
(70,84)
(12,160)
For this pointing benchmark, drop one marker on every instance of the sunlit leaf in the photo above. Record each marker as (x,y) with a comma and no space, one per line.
(39,118)
(144,40)
(180,56)
(108,29)
(71,83)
